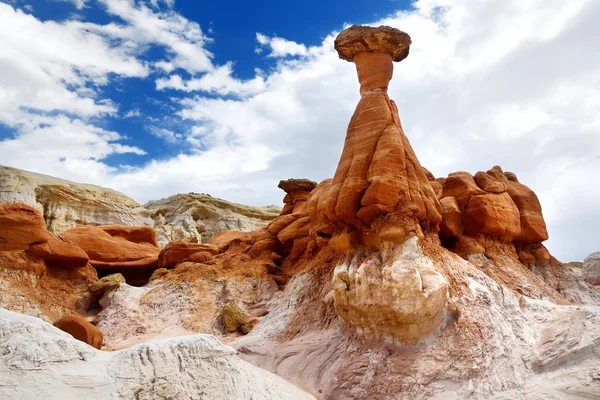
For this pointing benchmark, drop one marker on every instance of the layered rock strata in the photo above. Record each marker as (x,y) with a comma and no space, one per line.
(494,205)
(41,273)
(65,205)
(129,250)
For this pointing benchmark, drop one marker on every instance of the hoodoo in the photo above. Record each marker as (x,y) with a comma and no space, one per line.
(380,202)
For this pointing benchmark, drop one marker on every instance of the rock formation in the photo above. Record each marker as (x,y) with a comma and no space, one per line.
(39,361)
(180,251)
(41,274)
(380,198)
(591,269)
(382,282)
(66,204)
(107,284)
(131,251)
(81,330)
(199,216)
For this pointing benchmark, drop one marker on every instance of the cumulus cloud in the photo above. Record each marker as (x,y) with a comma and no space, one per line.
(509,83)
(280,47)
(219,81)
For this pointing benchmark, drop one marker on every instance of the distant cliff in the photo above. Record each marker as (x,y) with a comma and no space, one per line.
(65,204)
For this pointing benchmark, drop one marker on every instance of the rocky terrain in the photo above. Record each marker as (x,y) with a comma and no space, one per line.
(66,204)
(383,282)
(74,370)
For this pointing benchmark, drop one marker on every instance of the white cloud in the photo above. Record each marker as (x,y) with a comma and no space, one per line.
(165,134)
(511,83)
(60,145)
(280,47)
(183,40)
(219,81)
(134,112)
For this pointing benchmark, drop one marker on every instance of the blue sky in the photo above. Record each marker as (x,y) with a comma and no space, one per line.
(230,29)
(158,97)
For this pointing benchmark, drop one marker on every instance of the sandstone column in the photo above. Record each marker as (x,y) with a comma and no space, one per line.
(379,204)
(379,192)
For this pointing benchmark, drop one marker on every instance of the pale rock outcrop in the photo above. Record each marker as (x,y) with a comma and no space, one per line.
(35,356)
(107,284)
(590,270)
(198,217)
(494,343)
(66,204)
(396,294)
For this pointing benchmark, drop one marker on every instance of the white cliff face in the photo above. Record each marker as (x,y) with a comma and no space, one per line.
(66,204)
(38,361)
(193,215)
(591,269)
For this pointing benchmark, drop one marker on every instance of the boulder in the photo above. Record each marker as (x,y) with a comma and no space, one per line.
(58,251)
(383,39)
(591,269)
(462,187)
(158,273)
(492,181)
(494,215)
(106,284)
(81,330)
(295,230)
(181,250)
(20,226)
(401,295)
(234,318)
(451,217)
(297,185)
(533,226)
(112,251)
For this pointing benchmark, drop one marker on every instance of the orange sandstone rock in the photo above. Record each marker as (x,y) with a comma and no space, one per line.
(380,197)
(451,218)
(180,250)
(462,187)
(111,251)
(81,330)
(59,252)
(378,172)
(20,226)
(134,234)
(492,181)
(533,226)
(494,215)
